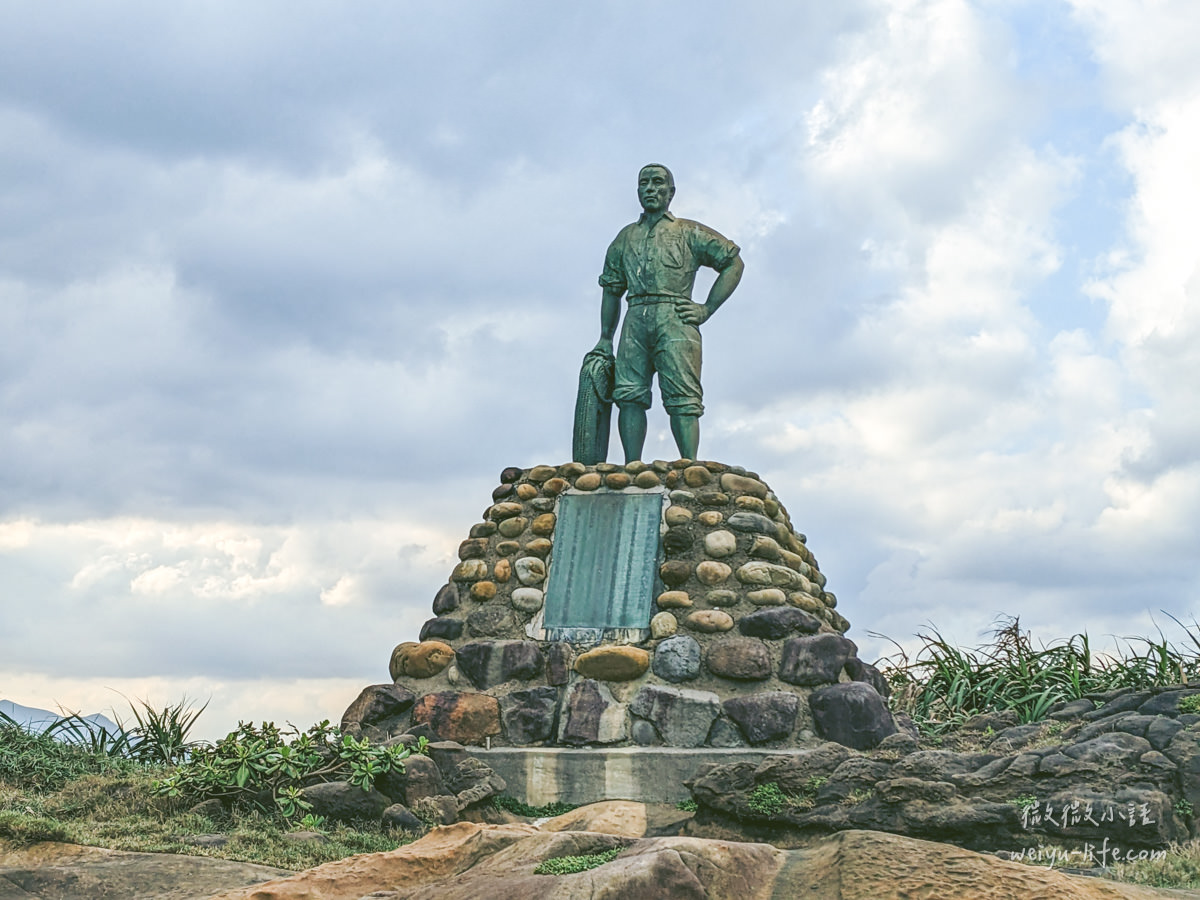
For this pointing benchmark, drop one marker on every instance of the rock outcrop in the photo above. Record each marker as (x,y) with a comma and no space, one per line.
(468,861)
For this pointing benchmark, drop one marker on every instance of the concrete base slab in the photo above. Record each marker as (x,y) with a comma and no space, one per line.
(541,775)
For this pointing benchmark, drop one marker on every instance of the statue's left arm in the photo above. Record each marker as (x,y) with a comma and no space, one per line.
(727,281)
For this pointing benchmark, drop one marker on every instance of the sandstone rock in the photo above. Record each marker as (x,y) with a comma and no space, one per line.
(511,528)
(711,572)
(446,600)
(543,525)
(742,658)
(343,801)
(613,663)
(806,602)
(663,625)
(721,598)
(681,716)
(677,659)
(529,716)
(423,660)
(617,481)
(765,716)
(483,529)
(677,515)
(696,476)
(674,600)
(675,572)
(502,511)
(571,470)
(774,624)
(749,504)
(852,714)
(591,715)
(767,574)
(763,547)
(647,480)
(482,591)
(555,486)
(817,659)
(507,548)
(767,597)
(530,570)
(469,570)
(740,484)
(709,621)
(463,717)
(710,517)
(720,544)
(502,571)
(539,547)
(526,492)
(527,599)
(441,628)
(488,663)
(380,706)
(588,482)
(712,498)
(538,474)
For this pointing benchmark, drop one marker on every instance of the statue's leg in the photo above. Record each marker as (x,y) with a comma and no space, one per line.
(686,430)
(631,423)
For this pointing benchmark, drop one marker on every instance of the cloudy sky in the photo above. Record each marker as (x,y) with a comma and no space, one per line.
(284,286)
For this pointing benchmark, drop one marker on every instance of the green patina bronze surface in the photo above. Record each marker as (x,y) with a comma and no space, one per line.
(653,263)
(603,576)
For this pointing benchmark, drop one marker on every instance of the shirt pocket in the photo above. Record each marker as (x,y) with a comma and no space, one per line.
(672,253)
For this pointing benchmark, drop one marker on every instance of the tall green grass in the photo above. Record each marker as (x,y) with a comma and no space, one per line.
(943,685)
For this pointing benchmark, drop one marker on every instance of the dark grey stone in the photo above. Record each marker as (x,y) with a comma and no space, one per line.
(559,657)
(776,622)
(725,733)
(1164,704)
(343,801)
(815,659)
(488,663)
(419,778)
(865,672)
(677,659)
(446,600)
(491,621)
(765,716)
(399,816)
(590,715)
(642,733)
(753,523)
(378,710)
(443,628)
(1161,731)
(852,714)
(678,539)
(529,716)
(683,717)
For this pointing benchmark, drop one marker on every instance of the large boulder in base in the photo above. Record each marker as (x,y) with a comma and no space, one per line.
(378,710)
(852,714)
(344,801)
(463,717)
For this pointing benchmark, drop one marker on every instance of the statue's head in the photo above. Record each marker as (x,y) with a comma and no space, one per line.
(656,187)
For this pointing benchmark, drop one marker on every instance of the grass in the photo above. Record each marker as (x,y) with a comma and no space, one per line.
(943,685)
(103,793)
(569,865)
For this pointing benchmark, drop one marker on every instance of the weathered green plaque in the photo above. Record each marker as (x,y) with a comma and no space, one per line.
(604,569)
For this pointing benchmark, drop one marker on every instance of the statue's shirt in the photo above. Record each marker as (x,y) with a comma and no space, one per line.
(660,260)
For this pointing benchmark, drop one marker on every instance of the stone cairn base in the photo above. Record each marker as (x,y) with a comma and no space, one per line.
(744,645)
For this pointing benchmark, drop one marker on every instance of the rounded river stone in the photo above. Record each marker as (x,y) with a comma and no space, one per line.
(483,590)
(719,544)
(617,481)
(675,572)
(721,598)
(697,476)
(710,517)
(469,570)
(530,570)
(741,658)
(709,621)
(647,480)
(527,599)
(677,515)
(510,528)
(588,482)
(767,597)
(711,572)
(526,491)
(543,525)
(674,600)
(538,474)
(502,571)
(507,548)
(663,625)
(539,547)
(504,511)
(615,663)
(554,487)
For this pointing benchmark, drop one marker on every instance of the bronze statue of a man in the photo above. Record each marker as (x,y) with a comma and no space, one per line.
(655,260)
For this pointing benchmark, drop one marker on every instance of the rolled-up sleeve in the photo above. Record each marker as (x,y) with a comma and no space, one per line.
(613,276)
(712,249)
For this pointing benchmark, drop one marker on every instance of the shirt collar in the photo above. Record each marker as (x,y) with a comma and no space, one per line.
(667,215)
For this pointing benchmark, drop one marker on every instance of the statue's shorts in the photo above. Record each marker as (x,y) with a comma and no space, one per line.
(653,339)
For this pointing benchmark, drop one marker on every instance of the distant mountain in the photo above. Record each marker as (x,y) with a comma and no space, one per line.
(38,720)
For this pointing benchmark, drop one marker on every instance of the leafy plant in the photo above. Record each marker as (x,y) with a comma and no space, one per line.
(688,805)
(267,767)
(767,799)
(569,865)
(1190,704)
(1183,808)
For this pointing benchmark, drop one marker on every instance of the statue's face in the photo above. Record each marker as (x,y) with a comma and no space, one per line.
(654,189)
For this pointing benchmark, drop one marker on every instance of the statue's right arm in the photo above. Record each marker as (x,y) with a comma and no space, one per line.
(610,315)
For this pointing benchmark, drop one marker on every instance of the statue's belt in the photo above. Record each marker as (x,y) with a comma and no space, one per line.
(643,299)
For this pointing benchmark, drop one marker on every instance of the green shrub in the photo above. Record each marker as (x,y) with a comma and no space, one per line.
(1190,704)
(23,829)
(517,808)
(569,865)
(266,767)
(767,799)
(688,805)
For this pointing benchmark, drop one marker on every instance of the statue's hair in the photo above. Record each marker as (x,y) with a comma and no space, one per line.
(670,177)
